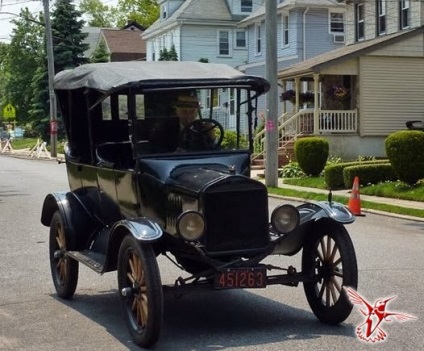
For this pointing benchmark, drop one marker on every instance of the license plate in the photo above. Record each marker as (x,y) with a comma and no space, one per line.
(241,278)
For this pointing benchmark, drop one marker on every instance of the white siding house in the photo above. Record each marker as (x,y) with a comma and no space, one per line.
(380,73)
(305,28)
(203,30)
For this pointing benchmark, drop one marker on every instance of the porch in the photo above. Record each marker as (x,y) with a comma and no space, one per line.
(307,122)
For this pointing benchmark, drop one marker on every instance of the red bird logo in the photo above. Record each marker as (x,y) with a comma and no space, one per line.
(371,330)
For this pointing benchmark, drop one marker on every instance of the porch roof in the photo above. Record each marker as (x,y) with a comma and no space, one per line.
(318,63)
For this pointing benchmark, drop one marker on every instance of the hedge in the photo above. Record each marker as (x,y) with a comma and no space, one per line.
(333,174)
(368,174)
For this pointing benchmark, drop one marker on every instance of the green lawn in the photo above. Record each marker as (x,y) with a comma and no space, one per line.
(396,190)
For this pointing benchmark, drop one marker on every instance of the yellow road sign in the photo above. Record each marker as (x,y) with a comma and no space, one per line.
(9,111)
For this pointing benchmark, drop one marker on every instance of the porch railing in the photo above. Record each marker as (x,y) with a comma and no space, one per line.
(291,126)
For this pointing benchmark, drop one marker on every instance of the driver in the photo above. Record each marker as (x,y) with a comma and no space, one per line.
(187,109)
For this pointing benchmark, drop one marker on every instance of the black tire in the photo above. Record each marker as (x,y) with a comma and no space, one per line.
(140,290)
(64,269)
(329,257)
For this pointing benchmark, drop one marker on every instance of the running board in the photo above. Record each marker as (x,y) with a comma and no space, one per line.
(91,259)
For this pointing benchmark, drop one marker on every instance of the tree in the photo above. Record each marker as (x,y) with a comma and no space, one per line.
(4,48)
(68,45)
(21,61)
(144,12)
(99,15)
(40,102)
(173,56)
(168,55)
(100,54)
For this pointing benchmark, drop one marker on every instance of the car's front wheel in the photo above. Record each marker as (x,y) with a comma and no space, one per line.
(140,291)
(329,259)
(64,269)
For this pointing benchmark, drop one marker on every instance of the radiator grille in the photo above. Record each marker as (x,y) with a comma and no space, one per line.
(236,220)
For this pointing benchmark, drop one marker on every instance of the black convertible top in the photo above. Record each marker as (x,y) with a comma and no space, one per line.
(111,76)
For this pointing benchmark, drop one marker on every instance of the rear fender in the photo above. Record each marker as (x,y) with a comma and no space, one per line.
(310,214)
(78,223)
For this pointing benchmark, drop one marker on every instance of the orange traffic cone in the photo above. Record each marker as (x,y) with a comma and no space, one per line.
(354,204)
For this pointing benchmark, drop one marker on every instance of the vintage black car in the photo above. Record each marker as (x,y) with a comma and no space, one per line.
(144,184)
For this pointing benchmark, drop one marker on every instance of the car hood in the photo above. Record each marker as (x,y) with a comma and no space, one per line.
(192,175)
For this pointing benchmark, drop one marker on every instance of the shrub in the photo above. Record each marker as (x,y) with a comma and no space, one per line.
(230,141)
(368,173)
(290,170)
(311,154)
(405,150)
(333,174)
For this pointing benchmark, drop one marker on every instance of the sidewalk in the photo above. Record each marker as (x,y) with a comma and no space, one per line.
(259,174)
(346,193)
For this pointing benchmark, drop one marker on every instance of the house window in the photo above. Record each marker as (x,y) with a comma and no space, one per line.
(240,39)
(404,14)
(360,22)
(285,28)
(381,17)
(163,11)
(336,22)
(258,39)
(223,43)
(246,6)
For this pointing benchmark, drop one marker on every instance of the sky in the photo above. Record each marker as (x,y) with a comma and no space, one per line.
(34,6)
(14,6)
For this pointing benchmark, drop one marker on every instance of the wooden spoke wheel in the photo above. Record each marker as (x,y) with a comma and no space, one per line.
(329,258)
(141,291)
(64,269)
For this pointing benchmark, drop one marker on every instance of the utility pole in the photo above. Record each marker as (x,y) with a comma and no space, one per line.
(50,65)
(271,123)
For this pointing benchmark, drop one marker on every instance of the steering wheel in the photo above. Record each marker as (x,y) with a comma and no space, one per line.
(202,134)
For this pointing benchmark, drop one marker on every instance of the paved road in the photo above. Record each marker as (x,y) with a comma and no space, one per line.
(390,261)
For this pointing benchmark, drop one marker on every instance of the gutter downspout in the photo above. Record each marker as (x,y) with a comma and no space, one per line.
(304,33)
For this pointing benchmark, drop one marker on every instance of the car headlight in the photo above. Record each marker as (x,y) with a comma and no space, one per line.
(285,218)
(191,225)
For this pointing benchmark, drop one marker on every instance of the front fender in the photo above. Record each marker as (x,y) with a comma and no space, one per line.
(142,229)
(310,213)
(316,210)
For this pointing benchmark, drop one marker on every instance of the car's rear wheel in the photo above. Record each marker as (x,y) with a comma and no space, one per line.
(329,258)
(64,269)
(140,291)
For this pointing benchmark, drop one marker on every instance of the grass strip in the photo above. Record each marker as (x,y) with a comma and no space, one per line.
(342,199)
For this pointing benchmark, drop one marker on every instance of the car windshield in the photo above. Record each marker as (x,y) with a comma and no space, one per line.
(172,121)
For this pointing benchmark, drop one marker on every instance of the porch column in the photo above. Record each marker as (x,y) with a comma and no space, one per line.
(316,103)
(297,88)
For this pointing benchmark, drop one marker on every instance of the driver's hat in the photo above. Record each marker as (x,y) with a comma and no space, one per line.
(187,100)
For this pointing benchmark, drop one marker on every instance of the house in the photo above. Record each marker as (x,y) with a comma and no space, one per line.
(125,44)
(305,28)
(93,34)
(367,89)
(203,30)
(122,44)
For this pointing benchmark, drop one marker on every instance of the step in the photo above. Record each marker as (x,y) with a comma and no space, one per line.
(91,259)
